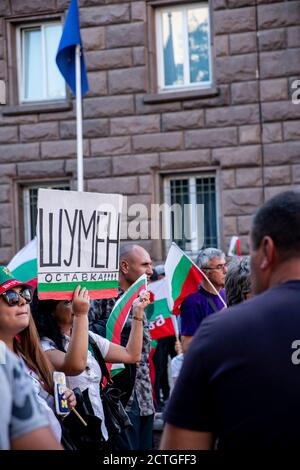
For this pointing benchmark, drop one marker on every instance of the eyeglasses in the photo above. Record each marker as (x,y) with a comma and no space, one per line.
(219,267)
(12,298)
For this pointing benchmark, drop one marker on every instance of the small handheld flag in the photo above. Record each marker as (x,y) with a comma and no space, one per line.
(182,275)
(120,312)
(234,247)
(159,312)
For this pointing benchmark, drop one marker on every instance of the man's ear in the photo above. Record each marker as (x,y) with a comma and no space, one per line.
(268,248)
(124,266)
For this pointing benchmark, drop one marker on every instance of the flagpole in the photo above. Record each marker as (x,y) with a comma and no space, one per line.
(203,274)
(79,119)
(175,325)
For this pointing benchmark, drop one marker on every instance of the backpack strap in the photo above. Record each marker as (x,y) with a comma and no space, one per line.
(212,304)
(210,301)
(99,358)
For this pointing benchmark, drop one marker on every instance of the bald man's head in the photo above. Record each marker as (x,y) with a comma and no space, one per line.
(134,261)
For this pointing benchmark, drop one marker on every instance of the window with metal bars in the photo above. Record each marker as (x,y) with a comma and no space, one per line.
(30,199)
(195,225)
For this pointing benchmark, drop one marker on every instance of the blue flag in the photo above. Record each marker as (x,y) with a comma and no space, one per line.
(65,57)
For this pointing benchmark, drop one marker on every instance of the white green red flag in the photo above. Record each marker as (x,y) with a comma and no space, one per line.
(159,312)
(24,264)
(183,276)
(234,247)
(120,312)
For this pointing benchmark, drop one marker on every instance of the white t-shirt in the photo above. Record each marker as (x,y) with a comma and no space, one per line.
(45,400)
(19,410)
(176,364)
(90,378)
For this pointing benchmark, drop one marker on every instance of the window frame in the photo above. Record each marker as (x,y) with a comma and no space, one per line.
(155,95)
(20,33)
(191,176)
(186,66)
(14,107)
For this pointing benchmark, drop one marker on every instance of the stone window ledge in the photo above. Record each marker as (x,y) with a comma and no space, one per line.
(42,107)
(180,95)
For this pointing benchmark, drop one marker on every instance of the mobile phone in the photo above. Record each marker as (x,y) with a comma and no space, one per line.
(61,404)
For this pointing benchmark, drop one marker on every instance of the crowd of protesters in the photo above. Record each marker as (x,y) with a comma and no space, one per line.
(239,386)
(229,383)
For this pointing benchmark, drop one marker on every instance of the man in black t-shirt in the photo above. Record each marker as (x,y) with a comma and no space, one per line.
(240,385)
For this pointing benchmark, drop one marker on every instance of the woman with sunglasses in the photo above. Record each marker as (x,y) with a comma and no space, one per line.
(55,324)
(18,332)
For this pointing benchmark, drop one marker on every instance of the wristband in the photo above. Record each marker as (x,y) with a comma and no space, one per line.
(137,318)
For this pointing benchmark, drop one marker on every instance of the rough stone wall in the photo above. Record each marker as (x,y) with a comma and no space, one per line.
(250,131)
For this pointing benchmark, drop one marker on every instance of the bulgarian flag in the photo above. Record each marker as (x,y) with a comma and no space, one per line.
(24,264)
(119,315)
(159,312)
(234,247)
(183,276)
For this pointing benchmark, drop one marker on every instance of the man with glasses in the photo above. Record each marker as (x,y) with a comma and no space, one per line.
(205,301)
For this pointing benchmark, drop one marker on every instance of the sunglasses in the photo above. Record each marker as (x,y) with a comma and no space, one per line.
(12,297)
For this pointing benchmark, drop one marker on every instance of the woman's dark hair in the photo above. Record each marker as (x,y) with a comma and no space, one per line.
(45,322)
(27,345)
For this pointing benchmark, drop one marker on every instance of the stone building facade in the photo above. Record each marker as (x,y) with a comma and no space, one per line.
(245,129)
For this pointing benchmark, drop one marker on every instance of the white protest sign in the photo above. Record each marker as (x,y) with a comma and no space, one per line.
(78,243)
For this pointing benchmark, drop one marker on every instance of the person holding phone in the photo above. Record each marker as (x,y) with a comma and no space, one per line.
(18,332)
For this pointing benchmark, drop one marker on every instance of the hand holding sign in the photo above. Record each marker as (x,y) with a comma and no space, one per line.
(78,243)
(81,301)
